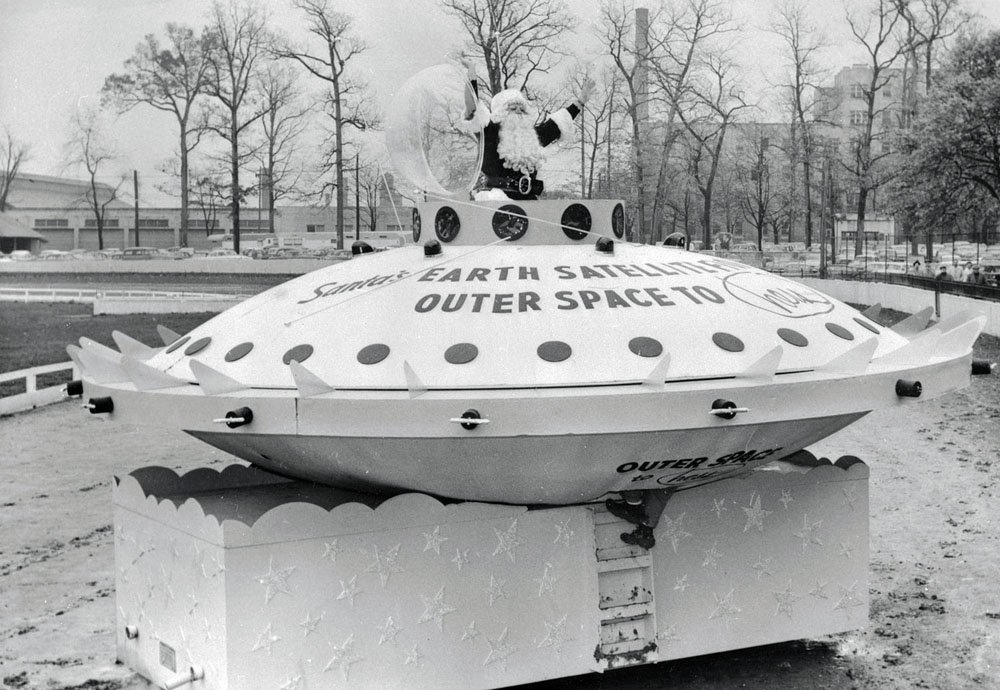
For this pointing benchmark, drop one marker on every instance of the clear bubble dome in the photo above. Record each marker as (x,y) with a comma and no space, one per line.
(428,137)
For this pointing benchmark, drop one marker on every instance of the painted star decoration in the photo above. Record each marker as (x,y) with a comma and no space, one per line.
(682,583)
(495,590)
(555,634)
(461,558)
(331,549)
(349,590)
(785,599)
(848,597)
(434,541)
(343,657)
(547,581)
(563,533)
(667,637)
(725,610)
(207,626)
(786,498)
(755,514)
(265,640)
(808,532)
(673,530)
(293,683)
(385,564)
(309,624)
(819,590)
(719,506)
(470,632)
(845,550)
(508,541)
(850,496)
(275,581)
(763,566)
(712,557)
(388,631)
(500,651)
(435,609)
(413,657)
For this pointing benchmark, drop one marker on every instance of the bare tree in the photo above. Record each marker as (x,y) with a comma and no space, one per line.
(239,41)
(170,77)
(370,183)
(89,147)
(596,123)
(874,30)
(801,43)
(346,101)
(757,193)
(210,195)
(682,41)
(516,39)
(13,154)
(283,122)
(719,99)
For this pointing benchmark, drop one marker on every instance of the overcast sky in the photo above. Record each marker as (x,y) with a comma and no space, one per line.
(55,54)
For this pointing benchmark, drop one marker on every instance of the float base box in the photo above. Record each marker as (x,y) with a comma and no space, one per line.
(256,581)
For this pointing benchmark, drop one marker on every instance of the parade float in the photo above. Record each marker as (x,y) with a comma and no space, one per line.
(431,431)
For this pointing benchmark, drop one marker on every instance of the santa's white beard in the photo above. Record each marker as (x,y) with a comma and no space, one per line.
(518,145)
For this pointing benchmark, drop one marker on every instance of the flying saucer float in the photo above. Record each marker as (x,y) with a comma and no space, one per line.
(524,352)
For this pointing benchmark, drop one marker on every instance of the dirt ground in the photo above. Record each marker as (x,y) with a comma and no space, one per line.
(935,601)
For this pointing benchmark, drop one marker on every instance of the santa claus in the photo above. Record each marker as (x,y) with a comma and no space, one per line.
(513,144)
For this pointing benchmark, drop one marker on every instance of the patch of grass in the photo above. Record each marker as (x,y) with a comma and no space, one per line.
(35,334)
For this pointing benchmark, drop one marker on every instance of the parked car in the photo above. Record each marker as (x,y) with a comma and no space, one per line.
(221,253)
(54,255)
(140,254)
(22,255)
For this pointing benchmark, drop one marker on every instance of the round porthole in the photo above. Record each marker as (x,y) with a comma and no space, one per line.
(416,226)
(447,224)
(197,346)
(792,337)
(618,221)
(177,344)
(867,325)
(299,353)
(839,331)
(239,352)
(645,347)
(461,353)
(554,351)
(576,221)
(510,222)
(373,354)
(728,342)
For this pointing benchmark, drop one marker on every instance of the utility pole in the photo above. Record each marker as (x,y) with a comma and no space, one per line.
(357,197)
(583,154)
(135,193)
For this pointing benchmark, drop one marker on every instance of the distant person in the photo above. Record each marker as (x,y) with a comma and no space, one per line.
(976,276)
(966,272)
(942,273)
(916,268)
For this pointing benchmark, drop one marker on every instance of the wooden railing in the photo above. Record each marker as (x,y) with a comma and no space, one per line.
(33,396)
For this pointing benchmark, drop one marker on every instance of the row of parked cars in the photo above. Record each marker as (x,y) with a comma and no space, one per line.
(149,253)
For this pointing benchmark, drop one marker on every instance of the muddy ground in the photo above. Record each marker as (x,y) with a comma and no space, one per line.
(935,556)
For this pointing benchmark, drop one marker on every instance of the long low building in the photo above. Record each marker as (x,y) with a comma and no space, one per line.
(58,211)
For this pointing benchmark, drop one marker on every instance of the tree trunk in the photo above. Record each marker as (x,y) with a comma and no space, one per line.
(185,209)
(338,127)
(706,218)
(859,237)
(235,170)
(807,182)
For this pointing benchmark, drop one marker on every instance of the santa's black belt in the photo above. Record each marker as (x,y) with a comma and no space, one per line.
(522,185)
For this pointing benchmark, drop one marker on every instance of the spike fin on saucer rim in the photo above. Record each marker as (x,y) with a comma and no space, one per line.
(130,347)
(166,335)
(854,360)
(659,372)
(104,351)
(74,353)
(764,368)
(955,320)
(873,311)
(100,368)
(308,383)
(147,378)
(413,383)
(918,351)
(959,340)
(914,323)
(214,382)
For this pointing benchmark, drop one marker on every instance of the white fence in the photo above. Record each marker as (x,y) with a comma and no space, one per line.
(34,396)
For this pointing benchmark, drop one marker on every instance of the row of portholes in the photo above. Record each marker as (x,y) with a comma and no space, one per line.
(510,222)
(550,351)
